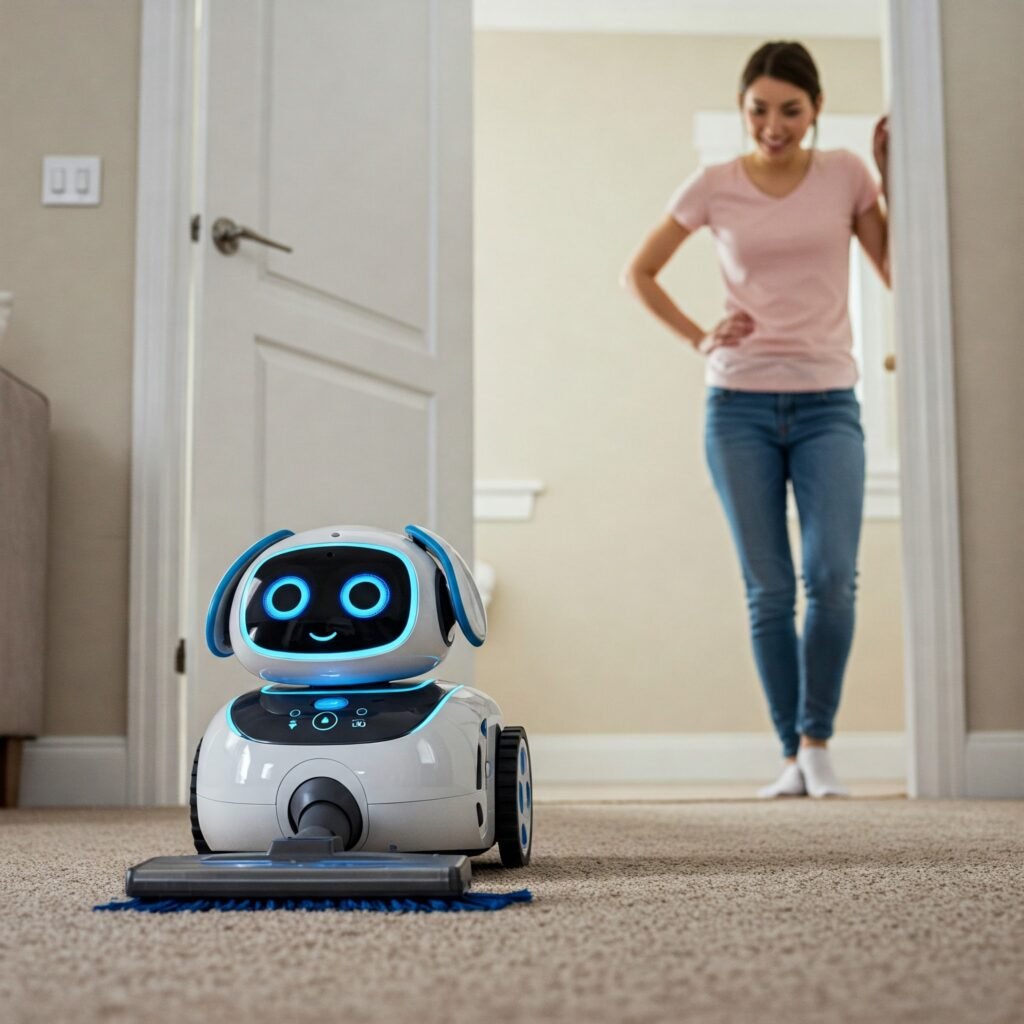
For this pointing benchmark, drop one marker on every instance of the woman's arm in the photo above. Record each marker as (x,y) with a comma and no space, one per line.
(639,277)
(872,229)
(872,226)
(643,267)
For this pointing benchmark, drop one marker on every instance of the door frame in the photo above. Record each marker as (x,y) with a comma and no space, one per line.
(156,623)
(933,633)
(932,599)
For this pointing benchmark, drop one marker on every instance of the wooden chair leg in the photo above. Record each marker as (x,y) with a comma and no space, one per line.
(10,769)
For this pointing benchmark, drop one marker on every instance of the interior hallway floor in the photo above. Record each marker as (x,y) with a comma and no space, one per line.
(647,908)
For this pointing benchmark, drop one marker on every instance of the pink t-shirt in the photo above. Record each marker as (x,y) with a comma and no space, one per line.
(786,263)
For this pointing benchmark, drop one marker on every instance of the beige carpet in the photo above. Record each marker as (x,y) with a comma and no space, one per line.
(863,910)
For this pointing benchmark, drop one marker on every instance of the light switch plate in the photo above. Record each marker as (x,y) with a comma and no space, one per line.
(71,181)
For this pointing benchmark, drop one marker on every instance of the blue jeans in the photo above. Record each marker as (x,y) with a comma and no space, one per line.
(755,442)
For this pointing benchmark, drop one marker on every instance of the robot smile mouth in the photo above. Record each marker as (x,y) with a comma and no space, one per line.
(323,639)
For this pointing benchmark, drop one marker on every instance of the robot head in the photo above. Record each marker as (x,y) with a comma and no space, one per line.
(343,605)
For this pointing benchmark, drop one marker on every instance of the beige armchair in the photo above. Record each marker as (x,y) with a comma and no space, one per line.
(24,472)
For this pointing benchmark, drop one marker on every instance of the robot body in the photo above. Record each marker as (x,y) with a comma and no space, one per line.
(332,618)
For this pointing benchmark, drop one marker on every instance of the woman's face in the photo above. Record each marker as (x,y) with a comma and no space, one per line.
(777,115)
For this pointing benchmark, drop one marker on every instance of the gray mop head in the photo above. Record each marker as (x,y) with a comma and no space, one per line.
(307,873)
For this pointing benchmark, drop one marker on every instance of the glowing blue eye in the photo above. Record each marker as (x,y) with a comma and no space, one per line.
(383,596)
(283,614)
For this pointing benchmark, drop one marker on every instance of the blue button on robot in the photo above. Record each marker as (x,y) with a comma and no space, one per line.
(344,737)
(330,703)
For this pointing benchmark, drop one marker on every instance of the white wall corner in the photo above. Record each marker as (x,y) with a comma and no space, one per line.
(995,765)
(162,254)
(609,758)
(933,628)
(74,771)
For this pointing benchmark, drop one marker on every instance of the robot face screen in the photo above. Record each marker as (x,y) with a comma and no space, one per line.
(329,600)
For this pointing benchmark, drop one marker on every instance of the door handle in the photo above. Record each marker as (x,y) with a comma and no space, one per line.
(227,236)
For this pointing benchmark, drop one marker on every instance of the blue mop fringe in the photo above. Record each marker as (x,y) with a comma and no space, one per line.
(468,901)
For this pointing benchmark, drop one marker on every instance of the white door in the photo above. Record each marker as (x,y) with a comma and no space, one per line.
(331,384)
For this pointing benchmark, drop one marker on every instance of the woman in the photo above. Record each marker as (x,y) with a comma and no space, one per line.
(780,371)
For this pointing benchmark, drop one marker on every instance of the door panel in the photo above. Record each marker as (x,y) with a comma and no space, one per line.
(324,430)
(352,190)
(332,384)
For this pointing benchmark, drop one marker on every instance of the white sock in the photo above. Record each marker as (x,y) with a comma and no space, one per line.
(789,783)
(819,775)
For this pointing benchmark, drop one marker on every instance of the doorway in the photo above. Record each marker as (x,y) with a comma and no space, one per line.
(626,571)
(933,629)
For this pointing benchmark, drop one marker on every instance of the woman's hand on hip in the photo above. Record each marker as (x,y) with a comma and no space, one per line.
(728,332)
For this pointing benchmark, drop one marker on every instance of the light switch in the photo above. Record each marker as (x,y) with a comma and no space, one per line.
(71,181)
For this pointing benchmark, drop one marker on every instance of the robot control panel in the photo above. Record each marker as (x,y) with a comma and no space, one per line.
(318,717)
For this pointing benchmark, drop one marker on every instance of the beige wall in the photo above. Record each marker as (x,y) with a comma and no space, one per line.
(70,87)
(983,45)
(619,608)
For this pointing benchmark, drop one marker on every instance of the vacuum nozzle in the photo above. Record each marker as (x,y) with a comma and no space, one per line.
(324,807)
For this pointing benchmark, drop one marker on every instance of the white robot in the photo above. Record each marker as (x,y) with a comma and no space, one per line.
(331,620)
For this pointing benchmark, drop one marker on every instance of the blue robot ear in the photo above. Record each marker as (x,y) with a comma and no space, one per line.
(469,607)
(218,635)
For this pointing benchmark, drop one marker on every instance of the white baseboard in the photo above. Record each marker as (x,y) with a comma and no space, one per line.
(87,771)
(995,765)
(702,757)
(74,771)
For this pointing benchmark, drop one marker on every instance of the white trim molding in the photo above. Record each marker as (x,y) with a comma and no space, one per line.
(995,765)
(611,758)
(933,616)
(92,770)
(84,771)
(74,771)
(505,500)
(155,734)
(792,18)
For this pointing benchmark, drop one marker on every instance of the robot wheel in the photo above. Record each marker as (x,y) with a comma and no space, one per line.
(197,833)
(514,797)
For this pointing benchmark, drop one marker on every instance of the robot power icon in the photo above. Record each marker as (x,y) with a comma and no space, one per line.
(340,611)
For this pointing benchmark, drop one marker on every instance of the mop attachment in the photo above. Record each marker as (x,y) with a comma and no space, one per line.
(307,872)
(466,902)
